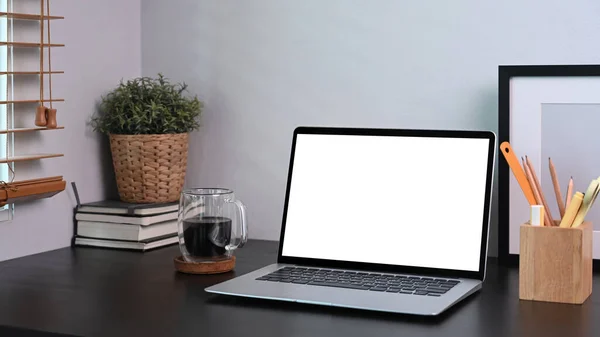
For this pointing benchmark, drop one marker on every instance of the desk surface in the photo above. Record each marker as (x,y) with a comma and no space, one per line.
(95,292)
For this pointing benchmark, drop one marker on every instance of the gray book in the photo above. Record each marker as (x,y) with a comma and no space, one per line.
(124,208)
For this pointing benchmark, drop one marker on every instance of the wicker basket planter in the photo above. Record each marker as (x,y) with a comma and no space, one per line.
(149,168)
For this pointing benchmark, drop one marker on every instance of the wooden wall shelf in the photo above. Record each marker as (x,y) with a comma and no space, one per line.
(30,72)
(29,157)
(30,44)
(25,16)
(19,130)
(32,101)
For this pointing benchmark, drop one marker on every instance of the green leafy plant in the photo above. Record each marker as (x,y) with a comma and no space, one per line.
(147,105)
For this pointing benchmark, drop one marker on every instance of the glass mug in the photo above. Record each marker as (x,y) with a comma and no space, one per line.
(211,224)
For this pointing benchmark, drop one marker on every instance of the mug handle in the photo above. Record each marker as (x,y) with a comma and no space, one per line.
(243,227)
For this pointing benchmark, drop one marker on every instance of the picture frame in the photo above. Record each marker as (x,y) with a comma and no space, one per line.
(530,101)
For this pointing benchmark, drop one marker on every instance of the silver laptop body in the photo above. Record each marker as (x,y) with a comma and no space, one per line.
(380,219)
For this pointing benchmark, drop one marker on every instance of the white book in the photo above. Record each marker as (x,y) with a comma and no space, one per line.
(107,230)
(131,220)
(142,246)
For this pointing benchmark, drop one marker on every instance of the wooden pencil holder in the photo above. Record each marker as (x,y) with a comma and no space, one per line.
(555,264)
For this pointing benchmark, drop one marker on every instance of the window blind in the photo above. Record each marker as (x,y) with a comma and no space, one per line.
(27,101)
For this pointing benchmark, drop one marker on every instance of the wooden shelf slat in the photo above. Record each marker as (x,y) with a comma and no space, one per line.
(20,130)
(30,72)
(26,16)
(30,44)
(29,157)
(32,101)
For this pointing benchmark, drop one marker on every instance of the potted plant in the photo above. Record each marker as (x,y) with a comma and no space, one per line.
(148,121)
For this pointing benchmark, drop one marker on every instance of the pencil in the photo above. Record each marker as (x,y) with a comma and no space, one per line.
(536,193)
(569,193)
(536,182)
(559,201)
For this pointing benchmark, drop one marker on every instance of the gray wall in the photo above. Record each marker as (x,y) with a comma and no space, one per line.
(102,46)
(264,67)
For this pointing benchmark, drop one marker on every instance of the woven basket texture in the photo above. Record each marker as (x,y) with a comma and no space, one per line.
(149,168)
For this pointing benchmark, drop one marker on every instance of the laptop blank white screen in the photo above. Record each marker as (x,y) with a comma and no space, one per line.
(410,201)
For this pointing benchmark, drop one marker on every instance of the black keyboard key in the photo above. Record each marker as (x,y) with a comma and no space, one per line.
(263,278)
(362,274)
(400,276)
(445,286)
(436,290)
(420,293)
(378,289)
(374,274)
(426,279)
(414,278)
(300,281)
(390,290)
(372,284)
(439,280)
(278,275)
(419,286)
(285,280)
(408,289)
(453,281)
(337,285)
(434,294)
(395,288)
(350,273)
(331,281)
(405,292)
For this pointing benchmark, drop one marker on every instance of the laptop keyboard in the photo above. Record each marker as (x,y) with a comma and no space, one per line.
(391,283)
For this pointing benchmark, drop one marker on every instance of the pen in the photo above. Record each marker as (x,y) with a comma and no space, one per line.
(588,200)
(572,210)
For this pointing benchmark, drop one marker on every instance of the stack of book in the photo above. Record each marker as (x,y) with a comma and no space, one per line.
(116,224)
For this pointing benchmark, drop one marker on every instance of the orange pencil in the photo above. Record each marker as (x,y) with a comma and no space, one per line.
(569,193)
(556,184)
(536,182)
(536,193)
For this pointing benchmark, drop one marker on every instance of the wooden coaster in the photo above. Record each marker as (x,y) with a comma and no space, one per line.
(216,267)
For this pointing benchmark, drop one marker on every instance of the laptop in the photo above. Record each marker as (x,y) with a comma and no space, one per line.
(380,219)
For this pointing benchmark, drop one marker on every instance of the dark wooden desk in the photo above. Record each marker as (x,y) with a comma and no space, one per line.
(94,292)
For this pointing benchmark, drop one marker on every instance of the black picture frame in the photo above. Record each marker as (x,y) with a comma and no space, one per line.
(505,74)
